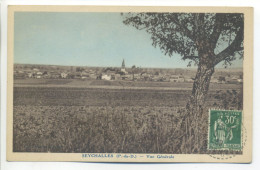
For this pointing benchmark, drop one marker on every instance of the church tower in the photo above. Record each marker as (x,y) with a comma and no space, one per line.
(123,66)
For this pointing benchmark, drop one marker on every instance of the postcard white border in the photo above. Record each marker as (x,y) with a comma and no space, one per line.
(248,83)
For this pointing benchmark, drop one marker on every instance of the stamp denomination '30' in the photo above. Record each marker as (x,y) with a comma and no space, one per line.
(225,130)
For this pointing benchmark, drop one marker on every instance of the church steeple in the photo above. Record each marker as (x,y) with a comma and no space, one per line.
(123,64)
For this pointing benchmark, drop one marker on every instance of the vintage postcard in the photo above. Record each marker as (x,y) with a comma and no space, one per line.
(130,84)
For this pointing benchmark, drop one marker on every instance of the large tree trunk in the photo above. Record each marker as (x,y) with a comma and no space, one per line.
(193,119)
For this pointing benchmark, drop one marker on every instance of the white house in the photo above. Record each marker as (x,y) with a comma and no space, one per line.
(106,77)
(64,75)
(39,73)
(176,79)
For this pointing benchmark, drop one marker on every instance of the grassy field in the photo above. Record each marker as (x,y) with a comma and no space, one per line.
(64,118)
(90,83)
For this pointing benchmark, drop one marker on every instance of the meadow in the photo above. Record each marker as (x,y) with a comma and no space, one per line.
(108,120)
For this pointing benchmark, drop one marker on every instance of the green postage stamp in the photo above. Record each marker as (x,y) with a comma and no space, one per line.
(225,130)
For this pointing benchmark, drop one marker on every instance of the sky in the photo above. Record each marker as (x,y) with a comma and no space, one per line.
(87,39)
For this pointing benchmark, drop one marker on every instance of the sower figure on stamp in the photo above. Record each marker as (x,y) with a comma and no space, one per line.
(220,130)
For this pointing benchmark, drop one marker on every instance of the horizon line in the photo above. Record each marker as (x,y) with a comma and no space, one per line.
(126,66)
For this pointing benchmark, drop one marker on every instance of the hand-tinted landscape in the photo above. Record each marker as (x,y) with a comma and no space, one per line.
(89,114)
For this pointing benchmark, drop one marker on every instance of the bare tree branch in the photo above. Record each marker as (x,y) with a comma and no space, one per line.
(190,57)
(234,47)
(186,31)
(217,29)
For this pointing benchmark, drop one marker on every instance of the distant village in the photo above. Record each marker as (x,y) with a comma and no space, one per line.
(23,71)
